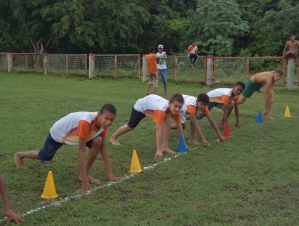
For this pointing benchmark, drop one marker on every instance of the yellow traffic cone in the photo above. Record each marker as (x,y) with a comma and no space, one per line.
(135,165)
(287,112)
(49,189)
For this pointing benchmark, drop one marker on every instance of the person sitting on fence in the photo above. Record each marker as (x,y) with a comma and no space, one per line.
(84,129)
(192,53)
(262,82)
(191,106)
(225,99)
(292,44)
(162,66)
(152,69)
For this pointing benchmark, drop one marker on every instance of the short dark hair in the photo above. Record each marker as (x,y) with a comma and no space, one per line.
(242,84)
(193,41)
(152,49)
(177,97)
(292,35)
(108,107)
(203,97)
(279,71)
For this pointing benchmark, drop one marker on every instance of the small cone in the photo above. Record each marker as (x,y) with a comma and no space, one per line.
(287,112)
(182,146)
(259,118)
(135,165)
(226,132)
(49,189)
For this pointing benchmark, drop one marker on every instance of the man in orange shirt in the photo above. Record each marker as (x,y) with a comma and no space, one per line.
(152,69)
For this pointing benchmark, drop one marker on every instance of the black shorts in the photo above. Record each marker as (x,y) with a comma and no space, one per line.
(135,118)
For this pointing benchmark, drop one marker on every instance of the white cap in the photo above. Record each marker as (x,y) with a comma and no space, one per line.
(160,46)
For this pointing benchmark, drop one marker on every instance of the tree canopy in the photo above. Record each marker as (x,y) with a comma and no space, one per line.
(220,27)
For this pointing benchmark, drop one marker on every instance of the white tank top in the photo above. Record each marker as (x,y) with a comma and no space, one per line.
(162,62)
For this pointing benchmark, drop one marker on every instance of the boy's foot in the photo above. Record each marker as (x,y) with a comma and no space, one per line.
(220,126)
(168,150)
(165,94)
(146,93)
(19,162)
(192,65)
(193,141)
(92,180)
(114,141)
(268,117)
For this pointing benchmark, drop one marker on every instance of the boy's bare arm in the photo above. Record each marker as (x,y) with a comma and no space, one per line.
(105,157)
(81,163)
(194,123)
(159,137)
(10,214)
(285,48)
(237,116)
(212,122)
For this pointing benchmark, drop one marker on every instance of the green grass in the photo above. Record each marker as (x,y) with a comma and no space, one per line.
(251,179)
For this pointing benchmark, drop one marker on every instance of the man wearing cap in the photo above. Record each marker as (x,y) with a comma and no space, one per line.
(162,66)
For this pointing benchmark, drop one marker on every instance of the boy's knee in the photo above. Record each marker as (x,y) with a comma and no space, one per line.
(97,142)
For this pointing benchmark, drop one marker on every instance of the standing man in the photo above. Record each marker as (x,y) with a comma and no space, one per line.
(192,53)
(162,66)
(292,44)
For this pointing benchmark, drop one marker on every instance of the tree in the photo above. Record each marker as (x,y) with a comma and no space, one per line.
(217,23)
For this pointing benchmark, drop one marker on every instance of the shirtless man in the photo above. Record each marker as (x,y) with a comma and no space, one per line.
(293,46)
(262,82)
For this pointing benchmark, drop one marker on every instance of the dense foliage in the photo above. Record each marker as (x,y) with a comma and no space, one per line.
(220,27)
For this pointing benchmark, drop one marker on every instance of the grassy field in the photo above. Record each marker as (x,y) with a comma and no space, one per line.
(251,179)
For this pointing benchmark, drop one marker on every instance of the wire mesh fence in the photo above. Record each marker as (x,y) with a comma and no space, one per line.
(119,65)
(67,64)
(184,71)
(3,66)
(228,70)
(27,62)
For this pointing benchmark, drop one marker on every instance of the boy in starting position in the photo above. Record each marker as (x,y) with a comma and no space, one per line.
(262,82)
(161,110)
(191,106)
(85,129)
(226,99)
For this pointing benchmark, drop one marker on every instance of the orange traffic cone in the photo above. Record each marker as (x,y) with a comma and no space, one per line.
(226,132)
(49,189)
(135,165)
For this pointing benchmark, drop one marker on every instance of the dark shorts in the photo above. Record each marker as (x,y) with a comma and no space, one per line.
(193,56)
(51,146)
(250,88)
(210,106)
(135,118)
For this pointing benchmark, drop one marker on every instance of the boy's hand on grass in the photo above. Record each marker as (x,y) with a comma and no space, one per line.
(221,138)
(158,155)
(11,215)
(205,143)
(113,179)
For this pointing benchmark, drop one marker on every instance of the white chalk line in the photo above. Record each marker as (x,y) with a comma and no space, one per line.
(126,177)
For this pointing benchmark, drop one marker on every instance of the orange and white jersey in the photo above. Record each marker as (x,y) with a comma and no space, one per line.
(156,107)
(151,61)
(68,129)
(190,105)
(222,95)
(192,49)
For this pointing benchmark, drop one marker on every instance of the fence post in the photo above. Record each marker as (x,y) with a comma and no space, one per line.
(9,62)
(247,68)
(66,64)
(115,66)
(91,66)
(45,65)
(175,67)
(209,70)
(144,69)
(291,73)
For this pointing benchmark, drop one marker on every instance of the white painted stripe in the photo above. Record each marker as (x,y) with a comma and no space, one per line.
(126,177)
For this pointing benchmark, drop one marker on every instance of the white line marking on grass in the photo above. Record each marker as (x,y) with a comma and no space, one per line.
(72,197)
